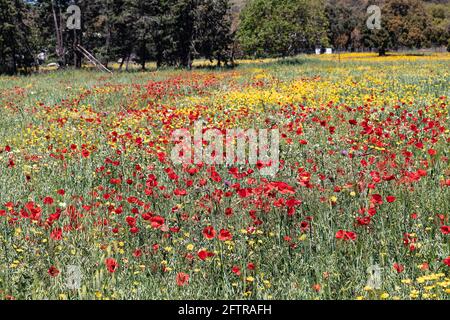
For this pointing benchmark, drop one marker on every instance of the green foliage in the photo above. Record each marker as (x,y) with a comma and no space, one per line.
(16,49)
(212,30)
(282,28)
(404,23)
(175,32)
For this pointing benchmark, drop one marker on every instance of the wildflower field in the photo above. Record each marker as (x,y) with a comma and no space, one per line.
(359,208)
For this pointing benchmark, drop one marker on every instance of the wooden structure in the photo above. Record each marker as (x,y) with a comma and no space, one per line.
(92,59)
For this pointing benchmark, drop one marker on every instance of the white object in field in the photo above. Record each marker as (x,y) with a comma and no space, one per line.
(53,64)
(318,51)
(328,51)
(41,56)
(375,279)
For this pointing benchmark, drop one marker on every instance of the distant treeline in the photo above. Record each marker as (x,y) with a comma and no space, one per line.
(175,32)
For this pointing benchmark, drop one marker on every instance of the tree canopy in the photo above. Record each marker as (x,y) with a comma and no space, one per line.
(175,32)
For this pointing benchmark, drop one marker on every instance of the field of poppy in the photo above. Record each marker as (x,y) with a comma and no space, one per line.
(92,206)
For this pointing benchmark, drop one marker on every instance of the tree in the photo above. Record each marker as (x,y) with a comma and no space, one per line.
(51,25)
(282,27)
(346,19)
(212,36)
(16,50)
(404,23)
(440,24)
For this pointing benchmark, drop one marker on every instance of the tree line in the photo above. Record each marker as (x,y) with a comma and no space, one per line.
(288,27)
(175,32)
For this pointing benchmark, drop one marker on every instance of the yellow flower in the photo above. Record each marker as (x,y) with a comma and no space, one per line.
(406,281)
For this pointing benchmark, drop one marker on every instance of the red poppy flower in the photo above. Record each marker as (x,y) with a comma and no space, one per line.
(292,203)
(225,235)
(244,193)
(137,253)
(203,254)
(228,212)
(398,267)
(447,261)
(156,221)
(53,271)
(111,265)
(304,225)
(209,233)
(445,229)
(56,234)
(345,235)
(115,181)
(390,199)
(236,270)
(85,153)
(48,200)
(425,266)
(376,199)
(364,221)
(180,192)
(317,287)
(182,279)
(134,230)
(251,266)
(131,221)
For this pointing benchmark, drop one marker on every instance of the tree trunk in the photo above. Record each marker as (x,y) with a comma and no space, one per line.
(108,45)
(14,64)
(59,44)
(121,62)
(128,61)
(143,55)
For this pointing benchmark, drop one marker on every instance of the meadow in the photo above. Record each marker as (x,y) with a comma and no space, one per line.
(359,208)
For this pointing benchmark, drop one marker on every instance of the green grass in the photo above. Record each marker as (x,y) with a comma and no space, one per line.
(43,114)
